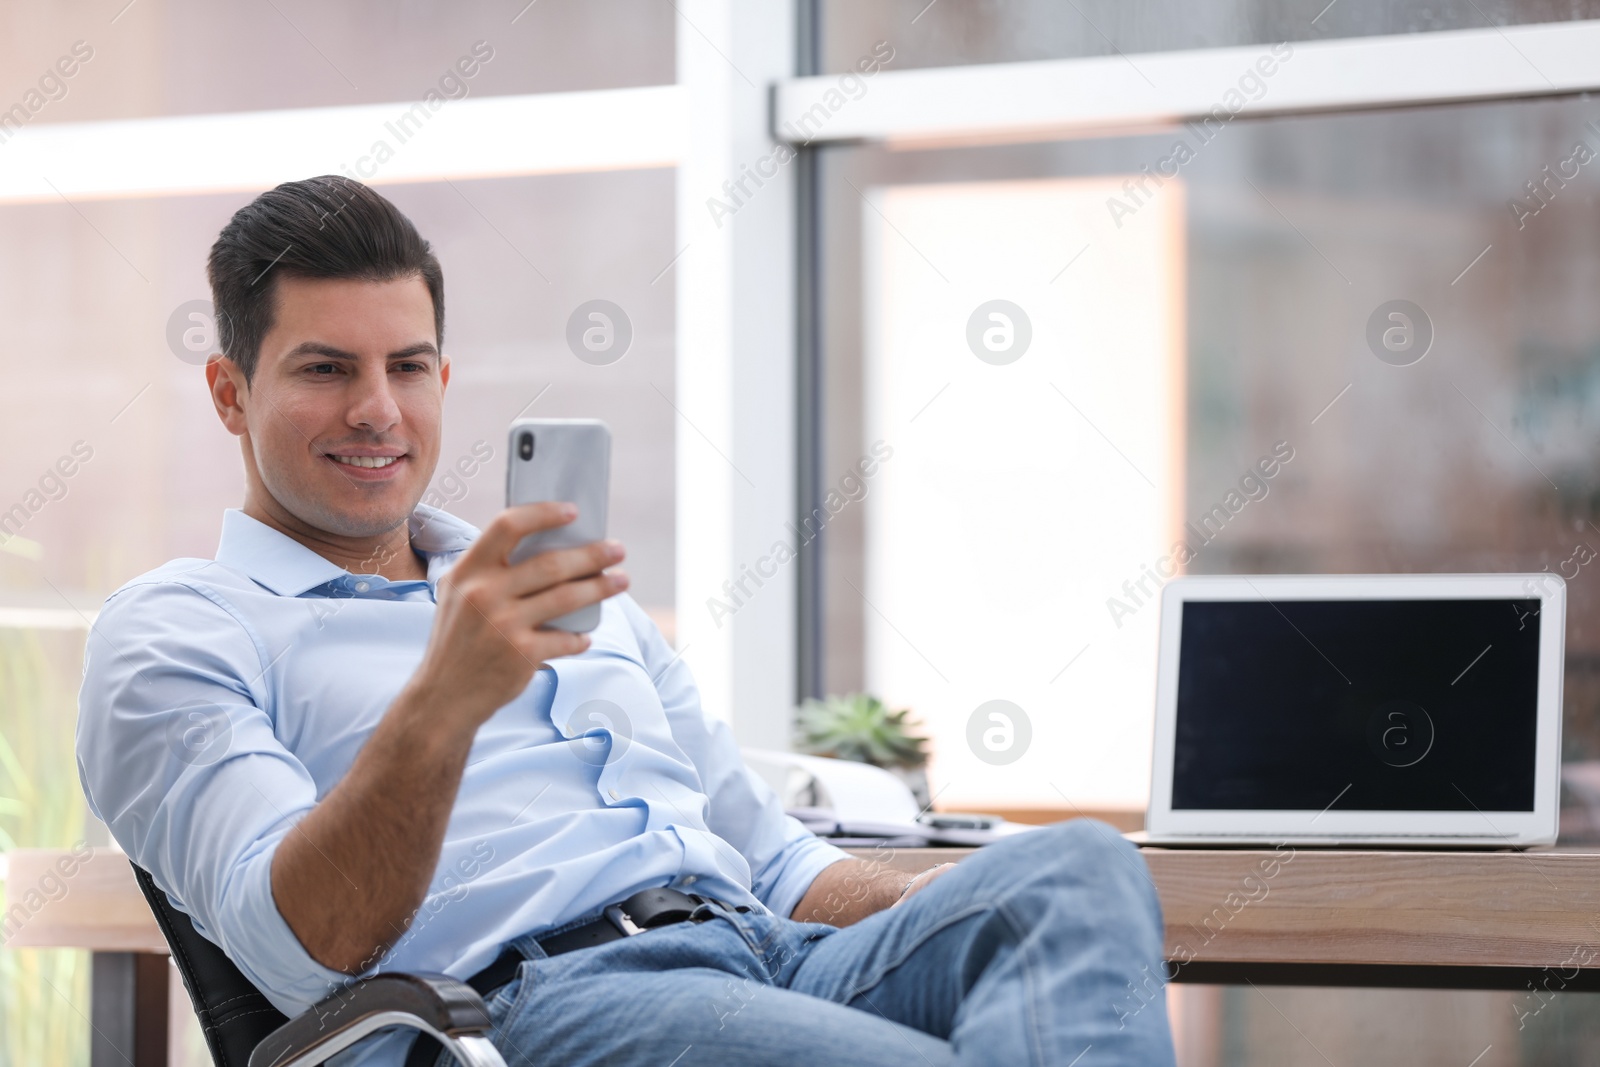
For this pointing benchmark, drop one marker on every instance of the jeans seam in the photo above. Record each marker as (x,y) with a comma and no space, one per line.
(525,984)
(1029,979)
(882,971)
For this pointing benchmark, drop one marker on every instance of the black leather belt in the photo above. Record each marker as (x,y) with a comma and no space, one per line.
(644,910)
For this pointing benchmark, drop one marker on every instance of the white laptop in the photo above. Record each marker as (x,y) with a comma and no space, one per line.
(1356,710)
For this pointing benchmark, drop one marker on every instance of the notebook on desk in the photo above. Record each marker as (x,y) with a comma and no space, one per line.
(1354,710)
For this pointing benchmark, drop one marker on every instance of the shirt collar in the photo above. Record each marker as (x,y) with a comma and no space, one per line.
(288,568)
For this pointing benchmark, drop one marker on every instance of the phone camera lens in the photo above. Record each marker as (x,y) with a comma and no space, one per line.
(525,446)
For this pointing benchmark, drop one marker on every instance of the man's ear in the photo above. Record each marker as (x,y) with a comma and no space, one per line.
(228,393)
(444,373)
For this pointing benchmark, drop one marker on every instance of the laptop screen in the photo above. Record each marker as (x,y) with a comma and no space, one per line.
(1370,705)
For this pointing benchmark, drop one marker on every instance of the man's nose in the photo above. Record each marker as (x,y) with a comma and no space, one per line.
(373,406)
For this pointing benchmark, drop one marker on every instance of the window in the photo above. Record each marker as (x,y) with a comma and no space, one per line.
(1295,234)
(112,460)
(948,33)
(1458,437)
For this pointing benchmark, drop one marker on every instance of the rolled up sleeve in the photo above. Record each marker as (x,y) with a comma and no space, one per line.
(784,857)
(177,756)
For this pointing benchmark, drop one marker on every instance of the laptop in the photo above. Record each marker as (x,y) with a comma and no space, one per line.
(1359,710)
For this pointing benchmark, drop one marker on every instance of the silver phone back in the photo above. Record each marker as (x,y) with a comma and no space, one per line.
(571,461)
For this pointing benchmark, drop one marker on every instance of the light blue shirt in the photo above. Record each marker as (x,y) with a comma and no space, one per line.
(223,699)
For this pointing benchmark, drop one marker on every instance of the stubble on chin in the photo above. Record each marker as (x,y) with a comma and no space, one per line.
(354,519)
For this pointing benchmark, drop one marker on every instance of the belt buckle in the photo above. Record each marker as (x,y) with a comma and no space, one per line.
(621,921)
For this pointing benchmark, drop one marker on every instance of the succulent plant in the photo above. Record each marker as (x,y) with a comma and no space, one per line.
(860,727)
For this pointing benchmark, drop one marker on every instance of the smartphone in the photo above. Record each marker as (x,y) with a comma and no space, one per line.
(561,459)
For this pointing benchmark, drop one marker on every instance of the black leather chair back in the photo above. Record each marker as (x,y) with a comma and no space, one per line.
(234,1016)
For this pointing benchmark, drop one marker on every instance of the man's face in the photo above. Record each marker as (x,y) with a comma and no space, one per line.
(343,413)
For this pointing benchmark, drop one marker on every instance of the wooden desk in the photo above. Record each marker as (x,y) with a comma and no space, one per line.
(1464,920)
(1446,920)
(54,900)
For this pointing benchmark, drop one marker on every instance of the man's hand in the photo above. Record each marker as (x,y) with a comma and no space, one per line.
(486,641)
(349,877)
(920,882)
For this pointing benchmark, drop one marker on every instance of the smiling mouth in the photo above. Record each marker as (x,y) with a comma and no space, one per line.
(364,461)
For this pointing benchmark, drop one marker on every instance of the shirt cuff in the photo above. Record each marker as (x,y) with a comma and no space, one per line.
(803,860)
(268,952)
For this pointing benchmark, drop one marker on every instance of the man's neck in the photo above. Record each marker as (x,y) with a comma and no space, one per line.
(388,555)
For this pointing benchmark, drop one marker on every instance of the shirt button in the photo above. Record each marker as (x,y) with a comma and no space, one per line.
(362,587)
(691,879)
(615,795)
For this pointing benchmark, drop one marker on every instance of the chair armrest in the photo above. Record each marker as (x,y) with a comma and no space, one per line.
(435,1004)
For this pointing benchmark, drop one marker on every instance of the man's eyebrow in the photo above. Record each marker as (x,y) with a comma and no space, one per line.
(326,351)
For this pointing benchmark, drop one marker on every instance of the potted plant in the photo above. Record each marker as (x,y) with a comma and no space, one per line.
(860,727)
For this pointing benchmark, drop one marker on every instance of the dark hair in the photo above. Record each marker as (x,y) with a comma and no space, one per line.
(325,227)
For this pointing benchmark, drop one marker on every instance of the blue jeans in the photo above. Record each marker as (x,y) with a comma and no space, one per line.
(1042,949)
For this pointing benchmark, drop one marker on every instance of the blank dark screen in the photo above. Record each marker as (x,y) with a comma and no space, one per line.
(1401,705)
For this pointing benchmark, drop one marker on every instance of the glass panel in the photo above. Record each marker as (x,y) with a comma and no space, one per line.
(179,57)
(1471,448)
(955,32)
(41,806)
(91,291)
(1001,453)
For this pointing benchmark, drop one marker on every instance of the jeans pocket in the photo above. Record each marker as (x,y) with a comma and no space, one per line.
(504,1003)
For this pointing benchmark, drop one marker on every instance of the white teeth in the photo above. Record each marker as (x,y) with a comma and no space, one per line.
(366,461)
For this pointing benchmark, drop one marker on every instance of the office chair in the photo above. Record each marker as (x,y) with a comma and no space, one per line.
(243,1029)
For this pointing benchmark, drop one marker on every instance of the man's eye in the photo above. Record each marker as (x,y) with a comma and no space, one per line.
(323,369)
(412,368)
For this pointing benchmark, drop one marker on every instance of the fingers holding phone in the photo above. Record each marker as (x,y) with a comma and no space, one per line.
(567,583)
(553,566)
(529,588)
(489,633)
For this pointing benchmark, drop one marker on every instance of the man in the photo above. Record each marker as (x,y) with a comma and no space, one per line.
(347,745)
